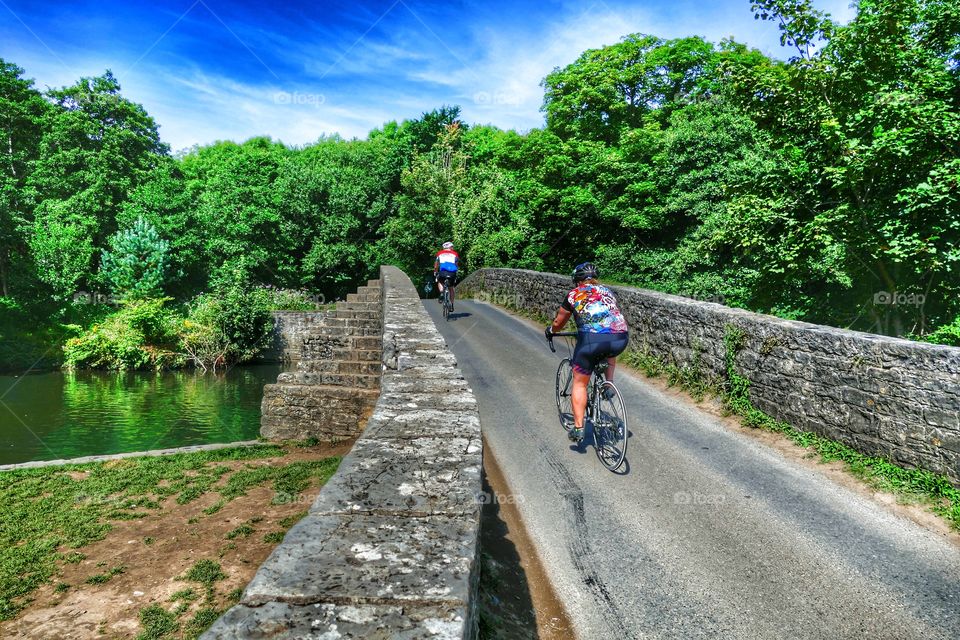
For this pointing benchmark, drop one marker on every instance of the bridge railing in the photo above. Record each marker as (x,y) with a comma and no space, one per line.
(880,395)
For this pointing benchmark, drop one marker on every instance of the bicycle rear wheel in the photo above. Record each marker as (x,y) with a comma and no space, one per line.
(610,427)
(446,303)
(564,387)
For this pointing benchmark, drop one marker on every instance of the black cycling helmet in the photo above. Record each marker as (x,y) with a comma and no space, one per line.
(585,271)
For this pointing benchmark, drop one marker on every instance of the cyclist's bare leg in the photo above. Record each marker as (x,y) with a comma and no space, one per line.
(611,367)
(578,397)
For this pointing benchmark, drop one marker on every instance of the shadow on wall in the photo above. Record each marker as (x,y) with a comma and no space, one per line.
(506,606)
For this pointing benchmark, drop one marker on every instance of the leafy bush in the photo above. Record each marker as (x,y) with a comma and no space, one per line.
(139,335)
(231,325)
(948,334)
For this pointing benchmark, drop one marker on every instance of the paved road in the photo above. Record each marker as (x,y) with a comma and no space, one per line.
(708,533)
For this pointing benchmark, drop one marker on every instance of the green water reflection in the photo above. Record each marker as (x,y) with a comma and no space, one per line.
(52,415)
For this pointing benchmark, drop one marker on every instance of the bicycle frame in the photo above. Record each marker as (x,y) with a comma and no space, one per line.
(595,412)
(597,378)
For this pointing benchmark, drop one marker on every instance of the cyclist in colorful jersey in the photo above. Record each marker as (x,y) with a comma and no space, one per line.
(445,267)
(602,334)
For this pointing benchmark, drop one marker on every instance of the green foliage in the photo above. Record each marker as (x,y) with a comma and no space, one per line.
(57,514)
(157,623)
(136,264)
(103,578)
(202,620)
(230,325)
(948,334)
(139,335)
(242,531)
(274,537)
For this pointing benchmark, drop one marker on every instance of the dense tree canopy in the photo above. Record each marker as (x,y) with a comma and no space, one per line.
(823,188)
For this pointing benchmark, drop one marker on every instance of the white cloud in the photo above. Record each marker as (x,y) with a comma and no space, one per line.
(493,70)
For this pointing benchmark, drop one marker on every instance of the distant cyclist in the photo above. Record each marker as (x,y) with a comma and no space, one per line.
(601,334)
(445,267)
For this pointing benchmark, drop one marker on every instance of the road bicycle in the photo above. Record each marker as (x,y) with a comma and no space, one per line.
(447,305)
(605,408)
(445,299)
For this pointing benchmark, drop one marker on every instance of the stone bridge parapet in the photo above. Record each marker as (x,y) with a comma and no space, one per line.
(389,548)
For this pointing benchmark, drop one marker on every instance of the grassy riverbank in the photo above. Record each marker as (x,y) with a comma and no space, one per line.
(155,546)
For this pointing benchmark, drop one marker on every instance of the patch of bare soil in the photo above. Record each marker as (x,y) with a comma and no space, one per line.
(156,551)
(517,601)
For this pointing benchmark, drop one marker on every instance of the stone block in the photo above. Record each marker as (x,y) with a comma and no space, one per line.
(417,477)
(370,559)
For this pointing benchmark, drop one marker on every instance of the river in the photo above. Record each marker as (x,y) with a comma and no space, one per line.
(57,414)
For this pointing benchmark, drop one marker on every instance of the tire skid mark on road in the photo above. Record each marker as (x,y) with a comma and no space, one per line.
(579,547)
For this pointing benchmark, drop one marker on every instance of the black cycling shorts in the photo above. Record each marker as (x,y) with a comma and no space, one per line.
(594,347)
(447,278)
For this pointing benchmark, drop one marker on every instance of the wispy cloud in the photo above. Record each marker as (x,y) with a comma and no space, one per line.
(210,70)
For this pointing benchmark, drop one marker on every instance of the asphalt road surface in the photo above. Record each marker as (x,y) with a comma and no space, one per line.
(704,532)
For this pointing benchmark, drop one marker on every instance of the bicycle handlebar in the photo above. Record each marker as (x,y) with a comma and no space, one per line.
(562,334)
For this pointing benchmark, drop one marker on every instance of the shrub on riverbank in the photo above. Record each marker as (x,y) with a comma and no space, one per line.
(142,334)
(230,326)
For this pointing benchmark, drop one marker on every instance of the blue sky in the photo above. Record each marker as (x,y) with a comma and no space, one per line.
(210,70)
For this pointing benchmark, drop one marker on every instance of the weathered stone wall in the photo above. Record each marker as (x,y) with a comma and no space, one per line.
(289,328)
(389,548)
(336,379)
(883,396)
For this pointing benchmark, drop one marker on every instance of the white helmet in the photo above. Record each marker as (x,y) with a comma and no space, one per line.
(448,245)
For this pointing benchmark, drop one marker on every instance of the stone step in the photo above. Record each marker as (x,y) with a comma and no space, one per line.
(374,343)
(365,314)
(350,355)
(357,381)
(360,306)
(320,391)
(320,348)
(344,332)
(337,321)
(351,367)
(374,284)
(364,296)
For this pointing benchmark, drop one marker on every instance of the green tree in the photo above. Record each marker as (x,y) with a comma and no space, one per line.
(96,148)
(136,264)
(22,112)
(423,218)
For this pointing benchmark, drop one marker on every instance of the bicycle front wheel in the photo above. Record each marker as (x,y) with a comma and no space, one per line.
(564,388)
(610,427)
